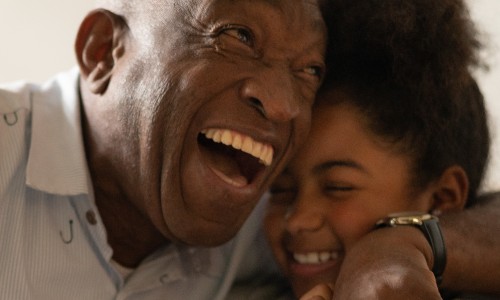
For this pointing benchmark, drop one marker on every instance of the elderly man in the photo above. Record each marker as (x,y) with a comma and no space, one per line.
(180,115)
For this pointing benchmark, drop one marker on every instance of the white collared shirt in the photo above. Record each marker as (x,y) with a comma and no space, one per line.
(52,241)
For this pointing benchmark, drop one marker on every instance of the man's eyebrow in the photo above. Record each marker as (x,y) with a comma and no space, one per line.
(339,163)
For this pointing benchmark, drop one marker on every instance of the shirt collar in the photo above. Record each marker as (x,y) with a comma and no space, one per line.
(56,159)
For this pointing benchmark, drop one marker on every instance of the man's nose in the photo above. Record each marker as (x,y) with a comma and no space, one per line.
(272,92)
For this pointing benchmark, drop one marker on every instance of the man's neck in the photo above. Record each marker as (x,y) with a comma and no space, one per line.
(131,235)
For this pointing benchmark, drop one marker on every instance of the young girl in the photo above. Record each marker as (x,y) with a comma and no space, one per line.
(370,154)
(399,126)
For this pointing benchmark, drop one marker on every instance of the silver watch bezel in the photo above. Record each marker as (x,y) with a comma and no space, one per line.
(405,218)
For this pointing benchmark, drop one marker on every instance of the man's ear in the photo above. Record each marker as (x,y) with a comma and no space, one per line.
(98,45)
(451,190)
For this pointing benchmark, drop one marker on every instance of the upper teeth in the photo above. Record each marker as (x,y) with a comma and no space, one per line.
(263,152)
(315,257)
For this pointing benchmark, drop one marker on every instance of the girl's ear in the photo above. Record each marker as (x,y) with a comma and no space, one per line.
(98,45)
(451,190)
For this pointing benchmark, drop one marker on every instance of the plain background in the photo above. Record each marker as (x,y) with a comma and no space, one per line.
(36,41)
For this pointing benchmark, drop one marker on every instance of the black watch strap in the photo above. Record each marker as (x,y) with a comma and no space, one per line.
(429,225)
(432,232)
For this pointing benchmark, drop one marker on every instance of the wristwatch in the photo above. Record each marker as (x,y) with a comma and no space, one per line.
(429,225)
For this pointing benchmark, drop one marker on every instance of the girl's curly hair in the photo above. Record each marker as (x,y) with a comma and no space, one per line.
(407,64)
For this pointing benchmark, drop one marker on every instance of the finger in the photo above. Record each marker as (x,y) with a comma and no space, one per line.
(319,292)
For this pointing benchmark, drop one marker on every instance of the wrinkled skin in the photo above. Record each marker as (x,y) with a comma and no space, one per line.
(173,70)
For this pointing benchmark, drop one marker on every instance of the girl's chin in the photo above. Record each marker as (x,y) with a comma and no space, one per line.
(321,270)
(306,276)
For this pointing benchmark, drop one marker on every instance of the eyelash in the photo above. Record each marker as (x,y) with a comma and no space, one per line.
(338,188)
(243,34)
(282,196)
(315,71)
(246,37)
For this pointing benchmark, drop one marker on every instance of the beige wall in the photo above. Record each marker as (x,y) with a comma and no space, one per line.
(36,41)
(487,15)
(36,37)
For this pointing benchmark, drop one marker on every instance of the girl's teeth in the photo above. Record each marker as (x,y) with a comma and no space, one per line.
(324,256)
(315,257)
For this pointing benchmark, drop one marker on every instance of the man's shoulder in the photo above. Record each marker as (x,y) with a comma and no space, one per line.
(15,96)
(15,115)
(19,94)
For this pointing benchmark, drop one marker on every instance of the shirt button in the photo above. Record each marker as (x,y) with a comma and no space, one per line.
(90,215)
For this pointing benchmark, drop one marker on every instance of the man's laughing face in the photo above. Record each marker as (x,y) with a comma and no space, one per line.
(221,98)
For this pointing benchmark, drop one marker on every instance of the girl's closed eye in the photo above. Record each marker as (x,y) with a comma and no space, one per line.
(338,189)
(282,195)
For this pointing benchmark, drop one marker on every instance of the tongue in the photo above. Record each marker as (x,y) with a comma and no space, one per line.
(227,168)
(234,179)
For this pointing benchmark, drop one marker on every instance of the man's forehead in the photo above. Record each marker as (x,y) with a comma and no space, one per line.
(292,9)
(127,7)
(277,4)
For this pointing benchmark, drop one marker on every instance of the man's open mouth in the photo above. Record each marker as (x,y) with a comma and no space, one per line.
(236,158)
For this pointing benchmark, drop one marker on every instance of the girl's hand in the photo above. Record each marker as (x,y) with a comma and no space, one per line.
(319,292)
